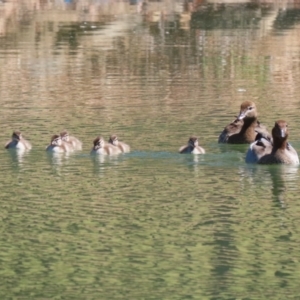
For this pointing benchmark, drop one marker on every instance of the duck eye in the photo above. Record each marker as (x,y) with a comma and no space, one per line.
(250,108)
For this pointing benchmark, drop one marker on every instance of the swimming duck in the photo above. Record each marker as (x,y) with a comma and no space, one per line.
(192,147)
(244,129)
(282,152)
(72,141)
(57,145)
(113,140)
(101,147)
(18,142)
(263,145)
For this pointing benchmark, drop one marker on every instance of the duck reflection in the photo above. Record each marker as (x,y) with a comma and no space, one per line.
(57,159)
(18,156)
(280,178)
(283,179)
(193,162)
(101,163)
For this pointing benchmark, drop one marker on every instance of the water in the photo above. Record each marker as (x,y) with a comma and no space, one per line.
(150,224)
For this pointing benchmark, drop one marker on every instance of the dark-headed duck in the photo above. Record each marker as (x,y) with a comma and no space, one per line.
(192,147)
(244,129)
(282,152)
(18,142)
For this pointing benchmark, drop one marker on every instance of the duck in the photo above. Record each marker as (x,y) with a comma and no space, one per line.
(113,140)
(101,147)
(261,146)
(192,147)
(56,145)
(72,141)
(244,129)
(18,142)
(277,151)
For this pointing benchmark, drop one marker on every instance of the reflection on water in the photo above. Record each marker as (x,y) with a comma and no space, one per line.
(56,160)
(18,156)
(102,163)
(150,224)
(279,179)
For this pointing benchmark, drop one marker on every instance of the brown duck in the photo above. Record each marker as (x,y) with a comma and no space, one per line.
(282,152)
(244,129)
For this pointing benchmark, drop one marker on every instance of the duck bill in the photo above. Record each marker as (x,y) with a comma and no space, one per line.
(282,133)
(241,116)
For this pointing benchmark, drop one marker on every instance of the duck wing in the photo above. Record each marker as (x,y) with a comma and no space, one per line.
(232,128)
(185,149)
(262,131)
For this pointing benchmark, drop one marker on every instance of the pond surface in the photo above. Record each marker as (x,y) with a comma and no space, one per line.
(150,224)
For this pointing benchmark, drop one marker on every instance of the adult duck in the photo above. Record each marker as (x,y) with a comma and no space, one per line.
(244,129)
(192,147)
(281,152)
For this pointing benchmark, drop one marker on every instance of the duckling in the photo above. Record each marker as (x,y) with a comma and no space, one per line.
(57,145)
(282,152)
(244,129)
(192,147)
(262,146)
(18,142)
(72,141)
(113,140)
(101,147)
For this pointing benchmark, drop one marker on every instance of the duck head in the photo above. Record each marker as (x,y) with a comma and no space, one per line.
(114,140)
(98,142)
(248,110)
(193,141)
(16,135)
(280,130)
(65,136)
(56,140)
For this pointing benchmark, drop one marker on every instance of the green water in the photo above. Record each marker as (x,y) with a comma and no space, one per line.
(150,224)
